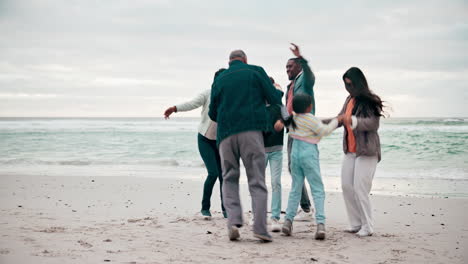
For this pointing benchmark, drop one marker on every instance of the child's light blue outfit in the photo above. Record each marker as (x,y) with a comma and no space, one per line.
(305,163)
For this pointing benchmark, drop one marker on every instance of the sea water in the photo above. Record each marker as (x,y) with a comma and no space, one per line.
(423,152)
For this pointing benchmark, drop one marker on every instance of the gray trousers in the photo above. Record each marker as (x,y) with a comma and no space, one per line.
(305,201)
(249,147)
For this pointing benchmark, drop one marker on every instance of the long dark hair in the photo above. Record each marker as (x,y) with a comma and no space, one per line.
(367,103)
(300,104)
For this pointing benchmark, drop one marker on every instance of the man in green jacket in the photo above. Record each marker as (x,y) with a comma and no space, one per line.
(238,98)
(302,81)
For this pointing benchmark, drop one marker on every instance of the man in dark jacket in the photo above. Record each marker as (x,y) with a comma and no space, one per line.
(238,99)
(302,81)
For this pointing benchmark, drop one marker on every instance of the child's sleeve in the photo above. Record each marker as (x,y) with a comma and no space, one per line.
(321,129)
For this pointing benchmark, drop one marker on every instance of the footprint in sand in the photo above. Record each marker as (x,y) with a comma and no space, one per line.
(84,244)
(53,229)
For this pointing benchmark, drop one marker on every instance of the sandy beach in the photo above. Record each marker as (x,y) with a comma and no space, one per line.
(47,219)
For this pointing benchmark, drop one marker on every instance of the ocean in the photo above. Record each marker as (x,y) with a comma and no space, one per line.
(416,152)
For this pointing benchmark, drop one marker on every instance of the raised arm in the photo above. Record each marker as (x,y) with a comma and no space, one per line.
(309,77)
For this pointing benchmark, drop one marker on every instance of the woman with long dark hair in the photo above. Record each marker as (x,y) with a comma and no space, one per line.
(360,117)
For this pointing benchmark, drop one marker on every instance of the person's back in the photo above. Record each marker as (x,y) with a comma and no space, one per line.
(239,94)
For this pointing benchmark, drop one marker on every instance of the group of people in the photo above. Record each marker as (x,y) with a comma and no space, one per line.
(243,118)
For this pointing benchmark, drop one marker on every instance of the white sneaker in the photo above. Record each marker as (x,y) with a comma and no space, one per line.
(304,217)
(364,233)
(275,225)
(251,221)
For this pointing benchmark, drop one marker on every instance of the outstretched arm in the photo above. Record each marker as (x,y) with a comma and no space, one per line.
(196,102)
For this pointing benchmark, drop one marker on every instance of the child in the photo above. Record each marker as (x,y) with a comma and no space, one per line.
(307,130)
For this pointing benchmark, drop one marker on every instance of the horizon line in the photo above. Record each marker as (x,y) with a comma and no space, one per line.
(71,117)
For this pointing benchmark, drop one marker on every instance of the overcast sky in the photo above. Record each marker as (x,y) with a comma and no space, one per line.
(135,58)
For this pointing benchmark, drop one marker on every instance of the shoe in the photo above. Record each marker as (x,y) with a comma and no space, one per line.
(233,233)
(364,233)
(320,233)
(225,214)
(287,227)
(275,225)
(352,230)
(303,216)
(206,214)
(264,237)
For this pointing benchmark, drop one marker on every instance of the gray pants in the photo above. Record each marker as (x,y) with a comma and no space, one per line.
(305,201)
(249,147)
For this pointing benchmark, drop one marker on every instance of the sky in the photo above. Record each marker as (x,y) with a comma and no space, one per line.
(83,58)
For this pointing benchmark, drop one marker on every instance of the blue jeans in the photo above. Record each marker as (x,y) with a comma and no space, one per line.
(305,164)
(276,166)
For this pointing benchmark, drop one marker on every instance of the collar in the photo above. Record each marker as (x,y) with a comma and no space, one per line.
(235,62)
(298,75)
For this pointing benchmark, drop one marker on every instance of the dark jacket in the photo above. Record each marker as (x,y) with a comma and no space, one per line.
(367,138)
(273,140)
(238,97)
(304,83)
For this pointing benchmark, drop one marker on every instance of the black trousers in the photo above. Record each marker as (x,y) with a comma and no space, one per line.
(210,155)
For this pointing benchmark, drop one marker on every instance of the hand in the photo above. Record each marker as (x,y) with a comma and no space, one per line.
(278,126)
(169,111)
(295,50)
(340,119)
(347,121)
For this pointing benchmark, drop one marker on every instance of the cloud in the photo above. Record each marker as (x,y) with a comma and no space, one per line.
(107,49)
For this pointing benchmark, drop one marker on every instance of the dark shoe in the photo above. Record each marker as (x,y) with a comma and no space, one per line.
(264,237)
(320,234)
(233,233)
(206,214)
(287,227)
(225,214)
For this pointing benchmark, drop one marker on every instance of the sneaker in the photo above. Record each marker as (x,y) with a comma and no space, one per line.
(206,214)
(264,237)
(225,214)
(275,225)
(364,233)
(320,234)
(251,221)
(303,216)
(287,227)
(352,230)
(233,233)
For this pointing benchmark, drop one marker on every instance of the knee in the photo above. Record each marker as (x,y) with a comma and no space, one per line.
(347,187)
(276,187)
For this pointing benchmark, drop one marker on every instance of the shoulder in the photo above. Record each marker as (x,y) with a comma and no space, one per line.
(255,68)
(308,118)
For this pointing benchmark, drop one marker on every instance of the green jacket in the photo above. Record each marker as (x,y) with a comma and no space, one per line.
(304,83)
(238,100)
